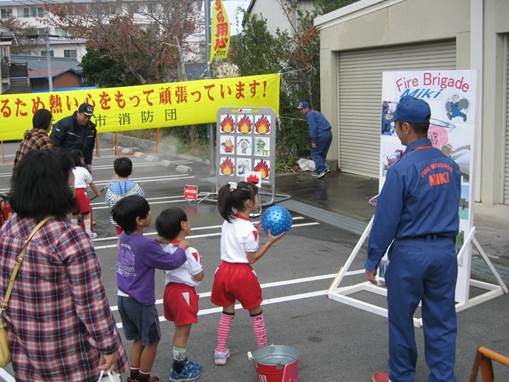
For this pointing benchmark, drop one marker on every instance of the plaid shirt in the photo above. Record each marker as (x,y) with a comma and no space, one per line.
(35,139)
(59,319)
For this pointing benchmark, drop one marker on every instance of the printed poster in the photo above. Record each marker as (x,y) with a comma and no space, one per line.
(451,95)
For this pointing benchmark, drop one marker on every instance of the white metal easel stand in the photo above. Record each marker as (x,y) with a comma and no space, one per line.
(343,294)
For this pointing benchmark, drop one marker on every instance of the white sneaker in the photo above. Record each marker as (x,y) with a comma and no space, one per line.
(92,235)
(220,357)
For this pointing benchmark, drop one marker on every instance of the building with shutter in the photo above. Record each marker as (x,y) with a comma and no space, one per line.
(360,41)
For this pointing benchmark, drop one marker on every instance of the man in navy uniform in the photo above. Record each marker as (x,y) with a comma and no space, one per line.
(417,211)
(321,137)
(77,132)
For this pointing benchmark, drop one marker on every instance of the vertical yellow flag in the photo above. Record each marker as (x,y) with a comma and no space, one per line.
(220,33)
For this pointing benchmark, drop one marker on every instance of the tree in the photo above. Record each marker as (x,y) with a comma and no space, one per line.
(145,52)
(24,35)
(326,6)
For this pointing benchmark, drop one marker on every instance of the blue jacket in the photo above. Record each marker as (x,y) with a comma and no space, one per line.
(317,124)
(420,196)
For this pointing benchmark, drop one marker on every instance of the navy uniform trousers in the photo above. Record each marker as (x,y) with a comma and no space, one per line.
(422,270)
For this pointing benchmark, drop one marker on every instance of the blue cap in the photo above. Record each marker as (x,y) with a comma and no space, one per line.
(411,109)
(304,105)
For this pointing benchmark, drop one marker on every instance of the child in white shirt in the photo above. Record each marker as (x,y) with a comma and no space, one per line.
(180,301)
(83,179)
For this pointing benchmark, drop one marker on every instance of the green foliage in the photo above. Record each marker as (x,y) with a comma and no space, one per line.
(98,68)
(296,57)
(326,6)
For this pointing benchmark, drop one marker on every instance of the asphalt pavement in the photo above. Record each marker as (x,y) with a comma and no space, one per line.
(337,342)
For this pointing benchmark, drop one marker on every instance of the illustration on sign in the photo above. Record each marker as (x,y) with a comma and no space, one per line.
(451,97)
(227,144)
(244,145)
(263,167)
(227,124)
(245,124)
(243,166)
(227,166)
(262,124)
(262,146)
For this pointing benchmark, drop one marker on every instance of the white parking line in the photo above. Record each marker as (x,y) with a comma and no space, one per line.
(266,285)
(269,301)
(200,228)
(6,376)
(148,199)
(209,235)
(147,179)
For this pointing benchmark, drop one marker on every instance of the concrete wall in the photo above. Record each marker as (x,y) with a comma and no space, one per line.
(496,27)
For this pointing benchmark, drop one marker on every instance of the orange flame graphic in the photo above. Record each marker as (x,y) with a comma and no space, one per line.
(244,125)
(227,125)
(263,168)
(263,125)
(227,167)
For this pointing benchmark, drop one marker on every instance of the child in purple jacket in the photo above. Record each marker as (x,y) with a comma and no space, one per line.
(138,258)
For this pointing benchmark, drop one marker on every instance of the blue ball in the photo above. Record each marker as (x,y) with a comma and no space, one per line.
(277,219)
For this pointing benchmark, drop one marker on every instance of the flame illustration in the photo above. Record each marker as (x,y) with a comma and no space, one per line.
(227,125)
(227,167)
(263,125)
(253,179)
(263,168)
(244,125)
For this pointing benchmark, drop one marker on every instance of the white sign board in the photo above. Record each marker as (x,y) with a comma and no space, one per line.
(452,98)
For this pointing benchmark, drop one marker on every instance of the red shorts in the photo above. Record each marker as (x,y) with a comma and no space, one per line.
(82,200)
(236,281)
(180,304)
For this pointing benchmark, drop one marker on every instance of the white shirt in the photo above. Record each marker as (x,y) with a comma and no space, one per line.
(184,274)
(82,177)
(237,239)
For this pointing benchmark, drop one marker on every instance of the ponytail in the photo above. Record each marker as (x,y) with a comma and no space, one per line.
(231,198)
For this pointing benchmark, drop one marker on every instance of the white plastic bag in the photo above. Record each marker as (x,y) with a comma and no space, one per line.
(306,164)
(109,377)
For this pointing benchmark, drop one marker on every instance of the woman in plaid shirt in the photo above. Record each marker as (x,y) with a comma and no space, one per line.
(60,325)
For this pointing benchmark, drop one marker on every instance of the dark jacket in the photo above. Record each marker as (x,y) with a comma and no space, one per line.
(69,135)
(317,124)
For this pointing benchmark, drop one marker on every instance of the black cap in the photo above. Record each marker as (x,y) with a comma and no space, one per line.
(86,109)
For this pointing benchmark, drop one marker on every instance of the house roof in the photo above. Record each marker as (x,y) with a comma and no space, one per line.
(38,66)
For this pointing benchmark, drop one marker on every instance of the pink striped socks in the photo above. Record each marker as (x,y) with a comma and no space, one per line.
(258,323)
(223,330)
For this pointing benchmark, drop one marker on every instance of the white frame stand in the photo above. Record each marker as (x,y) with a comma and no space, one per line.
(343,293)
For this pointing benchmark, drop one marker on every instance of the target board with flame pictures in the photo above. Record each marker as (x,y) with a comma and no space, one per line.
(246,140)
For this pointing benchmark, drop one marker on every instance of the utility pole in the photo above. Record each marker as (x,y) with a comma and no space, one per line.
(48,59)
(211,130)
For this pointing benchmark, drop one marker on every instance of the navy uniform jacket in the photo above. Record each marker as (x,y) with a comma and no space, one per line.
(317,124)
(69,135)
(420,197)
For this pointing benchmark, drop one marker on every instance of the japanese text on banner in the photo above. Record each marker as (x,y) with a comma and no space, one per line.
(220,33)
(142,107)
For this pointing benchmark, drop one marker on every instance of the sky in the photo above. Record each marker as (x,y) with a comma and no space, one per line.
(234,16)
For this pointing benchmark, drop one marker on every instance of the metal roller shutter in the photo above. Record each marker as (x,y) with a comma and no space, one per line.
(360,91)
(506,167)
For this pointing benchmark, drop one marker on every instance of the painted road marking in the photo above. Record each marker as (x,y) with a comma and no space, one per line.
(265,286)
(209,235)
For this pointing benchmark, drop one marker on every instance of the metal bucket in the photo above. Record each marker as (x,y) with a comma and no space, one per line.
(276,363)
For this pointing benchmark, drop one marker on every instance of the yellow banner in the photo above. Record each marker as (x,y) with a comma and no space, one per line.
(220,32)
(142,107)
